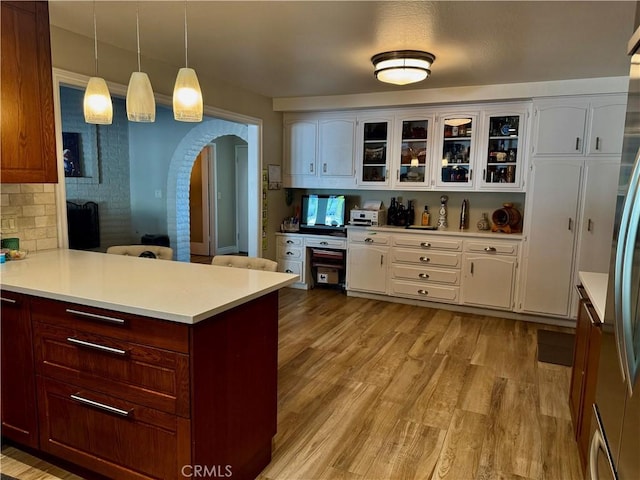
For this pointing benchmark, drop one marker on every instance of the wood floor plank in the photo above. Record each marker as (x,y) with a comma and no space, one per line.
(553,382)
(460,456)
(560,456)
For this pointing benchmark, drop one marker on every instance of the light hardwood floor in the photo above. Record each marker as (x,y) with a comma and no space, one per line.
(374,390)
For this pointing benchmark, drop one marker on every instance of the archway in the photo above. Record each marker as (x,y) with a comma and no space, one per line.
(179,177)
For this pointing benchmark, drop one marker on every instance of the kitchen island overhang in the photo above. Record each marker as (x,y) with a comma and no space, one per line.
(197,379)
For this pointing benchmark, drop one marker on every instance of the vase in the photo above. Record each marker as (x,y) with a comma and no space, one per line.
(483,223)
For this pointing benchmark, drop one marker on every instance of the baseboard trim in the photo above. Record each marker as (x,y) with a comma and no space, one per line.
(558,322)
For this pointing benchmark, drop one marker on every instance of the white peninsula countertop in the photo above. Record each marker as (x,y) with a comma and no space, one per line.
(596,286)
(176,291)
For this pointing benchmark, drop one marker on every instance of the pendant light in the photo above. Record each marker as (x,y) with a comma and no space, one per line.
(141,104)
(187,96)
(98,108)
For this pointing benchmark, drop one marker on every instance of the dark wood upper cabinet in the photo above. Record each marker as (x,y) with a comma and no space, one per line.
(28,129)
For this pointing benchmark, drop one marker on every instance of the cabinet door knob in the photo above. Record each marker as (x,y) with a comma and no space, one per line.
(311,167)
(577,143)
(589,225)
(425,259)
(597,143)
(471,268)
(570,226)
(490,249)
(324,168)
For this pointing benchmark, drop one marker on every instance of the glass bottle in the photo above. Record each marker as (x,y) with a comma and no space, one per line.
(425,216)
(411,214)
(464,215)
(483,223)
(392,211)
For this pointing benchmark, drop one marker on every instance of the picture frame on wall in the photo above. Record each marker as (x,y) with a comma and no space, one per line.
(71,154)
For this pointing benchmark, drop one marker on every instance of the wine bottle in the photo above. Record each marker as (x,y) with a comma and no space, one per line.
(411,214)
(464,215)
(392,212)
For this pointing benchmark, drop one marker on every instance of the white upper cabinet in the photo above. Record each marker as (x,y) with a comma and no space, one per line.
(319,151)
(373,150)
(606,128)
(579,125)
(502,153)
(411,155)
(455,154)
(300,137)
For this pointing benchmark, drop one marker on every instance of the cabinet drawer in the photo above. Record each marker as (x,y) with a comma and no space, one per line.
(145,375)
(418,257)
(290,253)
(290,266)
(420,274)
(290,241)
(111,436)
(374,238)
(438,293)
(499,248)
(122,326)
(326,242)
(426,242)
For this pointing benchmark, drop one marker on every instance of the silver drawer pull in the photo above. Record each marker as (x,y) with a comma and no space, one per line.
(95,316)
(101,406)
(290,242)
(288,270)
(324,243)
(290,253)
(8,300)
(423,292)
(490,249)
(425,259)
(425,245)
(423,275)
(96,346)
(368,240)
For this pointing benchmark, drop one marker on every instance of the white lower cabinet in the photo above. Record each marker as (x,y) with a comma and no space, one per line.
(426,267)
(489,273)
(458,267)
(290,252)
(367,261)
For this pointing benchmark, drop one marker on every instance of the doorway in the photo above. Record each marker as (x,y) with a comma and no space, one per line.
(200,212)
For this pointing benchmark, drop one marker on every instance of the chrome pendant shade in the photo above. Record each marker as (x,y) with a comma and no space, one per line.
(402,67)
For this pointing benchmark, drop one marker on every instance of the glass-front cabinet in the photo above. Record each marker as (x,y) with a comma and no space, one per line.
(413,160)
(457,150)
(374,147)
(503,150)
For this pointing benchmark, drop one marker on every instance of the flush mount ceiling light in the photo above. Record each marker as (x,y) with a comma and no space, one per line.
(402,67)
(97,104)
(187,96)
(141,104)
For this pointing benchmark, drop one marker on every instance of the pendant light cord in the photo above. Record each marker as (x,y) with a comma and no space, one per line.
(186,62)
(138,35)
(95,36)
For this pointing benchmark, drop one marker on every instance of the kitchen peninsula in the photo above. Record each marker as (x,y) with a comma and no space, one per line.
(137,368)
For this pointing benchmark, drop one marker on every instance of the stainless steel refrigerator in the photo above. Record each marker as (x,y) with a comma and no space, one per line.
(615,441)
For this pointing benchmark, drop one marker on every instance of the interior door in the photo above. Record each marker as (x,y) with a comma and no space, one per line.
(199,205)
(242,198)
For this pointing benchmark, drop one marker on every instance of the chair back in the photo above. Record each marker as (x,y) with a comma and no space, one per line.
(163,253)
(252,263)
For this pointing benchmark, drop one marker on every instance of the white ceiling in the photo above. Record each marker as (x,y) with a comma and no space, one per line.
(309,48)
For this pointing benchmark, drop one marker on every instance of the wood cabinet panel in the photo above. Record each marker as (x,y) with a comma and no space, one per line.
(123,326)
(19,412)
(28,145)
(131,442)
(148,376)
